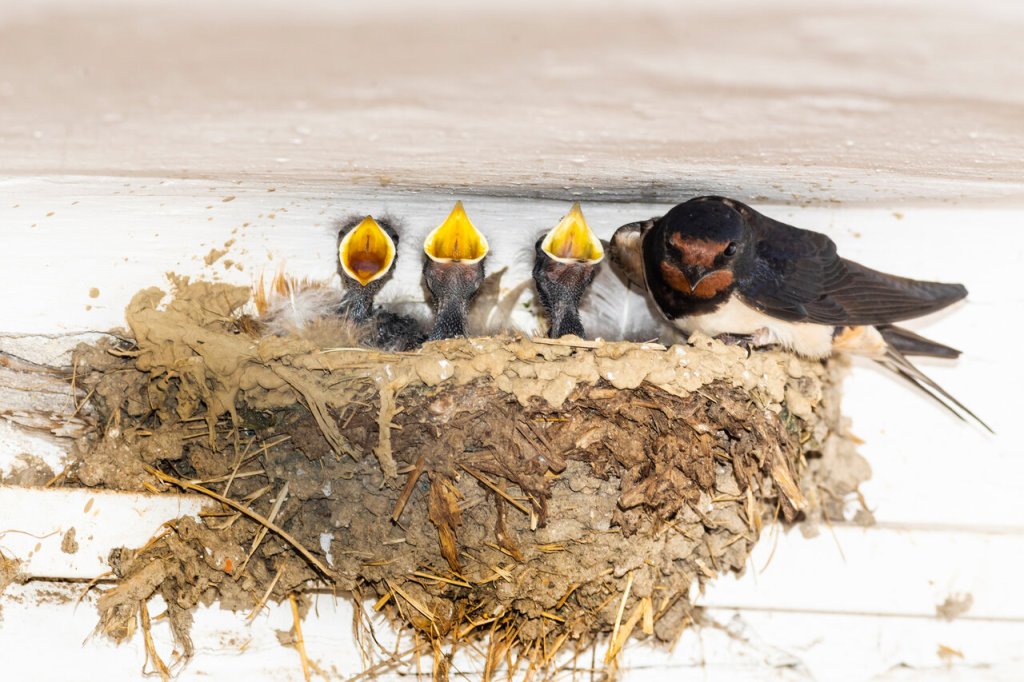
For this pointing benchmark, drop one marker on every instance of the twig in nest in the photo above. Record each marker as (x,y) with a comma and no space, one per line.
(493,486)
(612,650)
(391,662)
(300,645)
(415,603)
(619,641)
(379,604)
(238,463)
(388,411)
(274,509)
(775,533)
(266,595)
(475,624)
(234,516)
(230,477)
(784,479)
(648,614)
(439,578)
(572,343)
(506,542)
(568,593)
(93,582)
(555,648)
(410,485)
(255,516)
(319,411)
(82,404)
(147,636)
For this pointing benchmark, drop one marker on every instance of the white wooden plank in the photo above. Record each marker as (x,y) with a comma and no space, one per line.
(789,100)
(912,102)
(16,442)
(883,571)
(226,646)
(34,523)
(922,457)
(38,421)
(793,645)
(734,645)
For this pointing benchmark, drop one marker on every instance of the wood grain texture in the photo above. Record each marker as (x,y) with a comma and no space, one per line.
(140,138)
(950,521)
(787,101)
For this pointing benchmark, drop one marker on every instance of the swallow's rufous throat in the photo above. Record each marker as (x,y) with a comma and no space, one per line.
(717,266)
(453,271)
(565,264)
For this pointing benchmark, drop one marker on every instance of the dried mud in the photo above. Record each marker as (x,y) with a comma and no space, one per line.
(527,493)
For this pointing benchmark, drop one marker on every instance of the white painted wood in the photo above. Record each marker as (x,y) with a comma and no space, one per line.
(795,645)
(34,522)
(733,645)
(16,443)
(125,125)
(226,645)
(785,101)
(950,522)
(137,243)
(880,571)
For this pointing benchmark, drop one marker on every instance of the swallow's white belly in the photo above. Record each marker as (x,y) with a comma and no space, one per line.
(737,318)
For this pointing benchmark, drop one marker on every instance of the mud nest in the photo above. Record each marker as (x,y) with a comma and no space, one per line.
(532,494)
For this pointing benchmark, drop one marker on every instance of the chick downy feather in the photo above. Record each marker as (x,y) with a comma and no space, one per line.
(491,310)
(292,306)
(615,311)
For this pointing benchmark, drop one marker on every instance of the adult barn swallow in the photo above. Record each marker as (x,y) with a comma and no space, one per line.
(564,266)
(367,253)
(453,271)
(717,266)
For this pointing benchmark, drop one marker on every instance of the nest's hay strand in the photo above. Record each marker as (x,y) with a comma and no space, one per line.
(528,492)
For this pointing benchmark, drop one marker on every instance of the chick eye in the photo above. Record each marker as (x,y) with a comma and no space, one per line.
(729,250)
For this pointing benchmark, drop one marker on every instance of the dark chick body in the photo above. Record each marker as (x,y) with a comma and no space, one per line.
(453,271)
(367,256)
(564,265)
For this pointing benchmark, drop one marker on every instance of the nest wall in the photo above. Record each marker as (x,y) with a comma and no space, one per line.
(529,493)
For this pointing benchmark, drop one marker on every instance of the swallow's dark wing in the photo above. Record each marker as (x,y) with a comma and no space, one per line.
(796,275)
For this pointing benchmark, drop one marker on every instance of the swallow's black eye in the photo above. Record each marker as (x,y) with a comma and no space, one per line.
(729,250)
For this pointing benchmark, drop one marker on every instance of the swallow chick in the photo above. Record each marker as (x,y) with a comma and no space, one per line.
(453,271)
(367,254)
(717,266)
(565,264)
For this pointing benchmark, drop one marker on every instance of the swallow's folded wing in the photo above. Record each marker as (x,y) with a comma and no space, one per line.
(798,276)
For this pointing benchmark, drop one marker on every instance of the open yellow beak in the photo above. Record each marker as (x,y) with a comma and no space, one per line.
(367,252)
(456,239)
(572,241)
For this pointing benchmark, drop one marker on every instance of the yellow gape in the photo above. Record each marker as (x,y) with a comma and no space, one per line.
(367,252)
(456,239)
(572,241)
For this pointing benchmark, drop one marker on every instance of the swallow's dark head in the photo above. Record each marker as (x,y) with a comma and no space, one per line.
(700,244)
